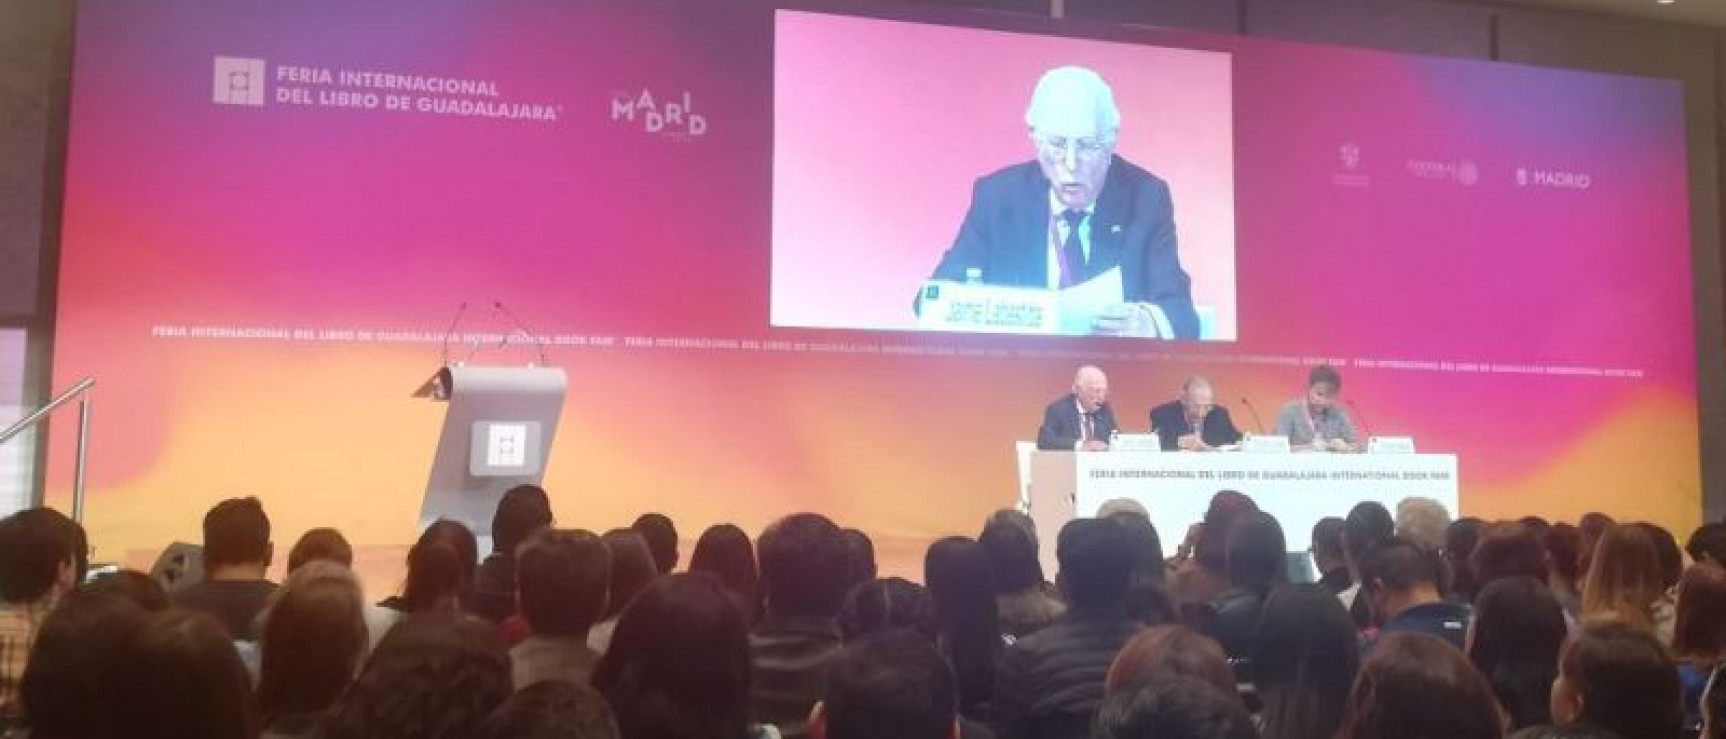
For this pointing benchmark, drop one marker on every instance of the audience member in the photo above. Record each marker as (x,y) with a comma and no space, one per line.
(312,639)
(38,565)
(440,570)
(321,544)
(78,642)
(1328,561)
(1549,731)
(1400,581)
(435,676)
(1113,506)
(888,685)
(1049,684)
(1201,570)
(661,537)
(552,709)
(521,511)
(1562,542)
(1305,657)
(1671,557)
(632,570)
(1699,634)
(562,579)
(1714,706)
(967,626)
(237,552)
(1514,639)
(1708,543)
(885,604)
(1460,539)
(726,553)
(1257,562)
(678,666)
(1626,581)
(1162,652)
(1509,549)
(1022,600)
(1590,528)
(1368,525)
(1417,686)
(178,677)
(1617,676)
(1177,708)
(1148,598)
(1423,521)
(142,590)
(859,557)
(804,567)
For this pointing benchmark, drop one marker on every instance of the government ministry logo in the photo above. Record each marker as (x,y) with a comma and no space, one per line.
(238,81)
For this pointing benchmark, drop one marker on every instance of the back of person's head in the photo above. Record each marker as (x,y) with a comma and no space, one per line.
(440,567)
(1327,539)
(661,537)
(552,709)
(1562,540)
(1147,545)
(1508,549)
(1708,542)
(1097,563)
(678,665)
(1423,521)
(313,638)
(804,566)
(1666,546)
(434,676)
(321,544)
(180,677)
(1211,550)
(632,568)
(1579,731)
(236,532)
(859,556)
(1015,517)
(1700,631)
(1398,566)
(1305,656)
(38,555)
(1257,555)
(885,604)
(1514,639)
(562,581)
(1592,526)
(76,643)
(1173,708)
(1113,506)
(1368,525)
(1617,676)
(1625,577)
(956,570)
(1417,686)
(521,511)
(1012,554)
(1166,651)
(1460,539)
(888,685)
(725,552)
(142,590)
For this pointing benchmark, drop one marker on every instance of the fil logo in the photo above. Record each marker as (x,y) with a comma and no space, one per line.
(674,118)
(238,81)
(1350,155)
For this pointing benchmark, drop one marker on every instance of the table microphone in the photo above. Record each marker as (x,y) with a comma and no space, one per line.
(449,333)
(1259,422)
(1367,427)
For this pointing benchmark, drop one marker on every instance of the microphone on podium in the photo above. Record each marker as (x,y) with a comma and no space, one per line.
(449,333)
(1259,422)
(498,304)
(1364,426)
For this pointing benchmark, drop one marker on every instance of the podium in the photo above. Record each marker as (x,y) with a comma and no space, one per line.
(496,435)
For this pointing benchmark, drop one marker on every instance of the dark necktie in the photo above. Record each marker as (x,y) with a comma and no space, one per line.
(1073,267)
(1089,432)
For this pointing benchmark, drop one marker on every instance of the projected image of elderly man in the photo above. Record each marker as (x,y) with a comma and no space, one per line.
(1077,211)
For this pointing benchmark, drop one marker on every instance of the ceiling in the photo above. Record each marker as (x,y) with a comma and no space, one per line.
(1703,12)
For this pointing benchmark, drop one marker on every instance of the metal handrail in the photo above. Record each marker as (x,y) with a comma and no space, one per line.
(79,391)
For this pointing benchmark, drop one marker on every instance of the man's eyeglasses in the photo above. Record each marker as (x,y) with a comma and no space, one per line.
(1083,148)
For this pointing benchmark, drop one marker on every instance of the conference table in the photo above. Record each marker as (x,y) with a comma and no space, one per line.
(1176,487)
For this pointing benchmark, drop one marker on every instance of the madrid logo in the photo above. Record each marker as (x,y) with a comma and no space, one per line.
(671,117)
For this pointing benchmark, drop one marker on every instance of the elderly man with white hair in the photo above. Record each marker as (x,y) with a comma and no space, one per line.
(1194,422)
(1077,211)
(1082,419)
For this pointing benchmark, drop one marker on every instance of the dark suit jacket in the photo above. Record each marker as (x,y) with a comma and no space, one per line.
(1170,421)
(1060,429)
(1006,235)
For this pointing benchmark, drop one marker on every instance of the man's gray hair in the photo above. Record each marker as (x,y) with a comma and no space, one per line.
(1063,87)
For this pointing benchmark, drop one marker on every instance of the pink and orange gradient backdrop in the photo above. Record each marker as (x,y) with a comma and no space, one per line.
(182,212)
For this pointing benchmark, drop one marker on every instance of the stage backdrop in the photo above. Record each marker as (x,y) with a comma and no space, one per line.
(273,211)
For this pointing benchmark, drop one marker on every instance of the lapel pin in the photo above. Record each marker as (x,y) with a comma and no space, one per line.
(1115,229)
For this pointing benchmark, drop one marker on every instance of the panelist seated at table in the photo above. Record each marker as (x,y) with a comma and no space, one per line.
(1194,422)
(1082,419)
(1315,422)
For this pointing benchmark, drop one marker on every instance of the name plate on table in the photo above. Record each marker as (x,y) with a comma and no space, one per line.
(1262,444)
(957,306)
(1390,445)
(1136,443)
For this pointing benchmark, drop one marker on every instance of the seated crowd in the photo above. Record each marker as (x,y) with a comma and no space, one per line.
(1413,626)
